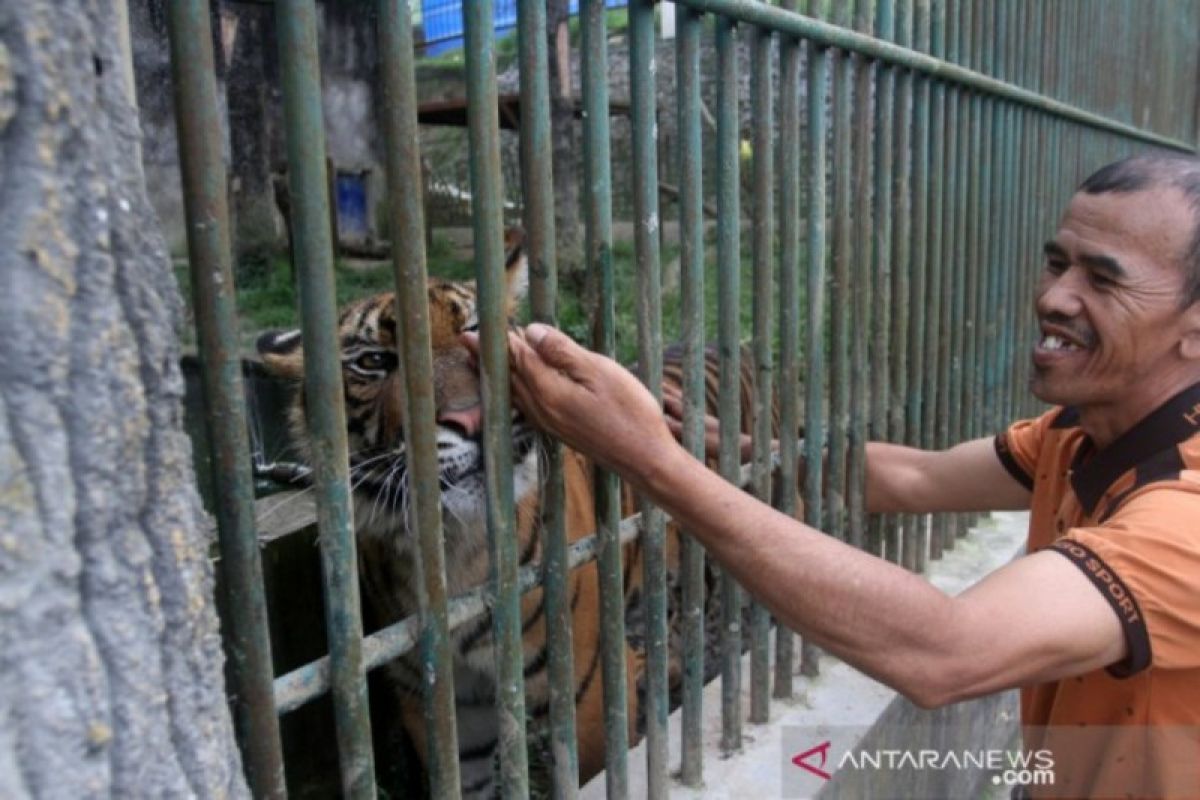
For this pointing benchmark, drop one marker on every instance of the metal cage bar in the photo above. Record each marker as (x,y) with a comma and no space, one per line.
(414,347)
(642,72)
(762,110)
(209,257)
(729,267)
(484,139)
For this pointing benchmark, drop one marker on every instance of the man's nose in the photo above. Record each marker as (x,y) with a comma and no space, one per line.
(469,420)
(1059,294)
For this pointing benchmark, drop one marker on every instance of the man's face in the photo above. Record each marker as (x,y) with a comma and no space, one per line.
(1108,303)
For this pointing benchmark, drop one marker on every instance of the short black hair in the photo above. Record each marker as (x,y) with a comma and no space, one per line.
(1150,170)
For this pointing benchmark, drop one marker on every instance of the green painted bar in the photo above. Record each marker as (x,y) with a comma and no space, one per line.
(642,69)
(691,256)
(973,260)
(406,219)
(968,194)
(755,12)
(902,165)
(763,247)
(915,538)
(597,208)
(935,327)
(789,317)
(958,50)
(839,289)
(537,190)
(729,344)
(248,640)
(313,255)
(860,283)
(306,683)
(881,251)
(948,409)
(484,141)
(814,407)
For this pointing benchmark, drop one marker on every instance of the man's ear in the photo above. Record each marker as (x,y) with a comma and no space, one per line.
(516,268)
(282,353)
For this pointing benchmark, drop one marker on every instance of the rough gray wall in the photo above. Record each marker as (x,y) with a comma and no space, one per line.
(110,656)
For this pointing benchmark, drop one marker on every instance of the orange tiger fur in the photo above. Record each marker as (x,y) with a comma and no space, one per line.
(387,551)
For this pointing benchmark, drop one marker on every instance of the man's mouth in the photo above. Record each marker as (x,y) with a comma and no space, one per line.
(1054,343)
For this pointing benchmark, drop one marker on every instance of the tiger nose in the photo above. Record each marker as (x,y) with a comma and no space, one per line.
(468,420)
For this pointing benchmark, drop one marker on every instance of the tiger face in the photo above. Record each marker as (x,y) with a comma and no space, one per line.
(373,385)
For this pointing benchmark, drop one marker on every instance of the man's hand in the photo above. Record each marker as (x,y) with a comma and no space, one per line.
(673,414)
(590,402)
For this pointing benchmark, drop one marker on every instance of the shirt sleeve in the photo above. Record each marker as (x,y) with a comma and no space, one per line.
(1145,560)
(1019,446)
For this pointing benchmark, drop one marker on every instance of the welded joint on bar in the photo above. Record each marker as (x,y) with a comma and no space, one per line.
(310,681)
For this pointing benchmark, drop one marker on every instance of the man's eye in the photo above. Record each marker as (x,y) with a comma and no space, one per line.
(1055,266)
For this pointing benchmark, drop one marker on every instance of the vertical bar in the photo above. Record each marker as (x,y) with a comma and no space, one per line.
(934,365)
(598,242)
(951,214)
(484,141)
(691,257)
(406,210)
(860,283)
(729,269)
(763,113)
(789,315)
(642,69)
(915,539)
(839,291)
(881,255)
(901,231)
(962,253)
(537,191)
(248,640)
(814,408)
(313,254)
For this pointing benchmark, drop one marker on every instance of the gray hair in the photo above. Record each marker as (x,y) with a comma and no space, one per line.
(1151,170)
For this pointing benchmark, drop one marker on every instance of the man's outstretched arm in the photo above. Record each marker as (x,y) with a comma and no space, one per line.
(883,620)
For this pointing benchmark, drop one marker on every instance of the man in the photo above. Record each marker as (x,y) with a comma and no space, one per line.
(1100,623)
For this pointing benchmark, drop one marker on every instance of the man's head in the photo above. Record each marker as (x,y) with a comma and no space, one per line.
(1118,299)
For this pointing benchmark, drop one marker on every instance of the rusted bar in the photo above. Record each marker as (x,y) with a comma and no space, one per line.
(839,290)
(729,269)
(642,69)
(935,332)
(597,206)
(789,315)
(763,222)
(248,641)
(814,407)
(915,537)
(537,191)
(860,284)
(881,253)
(755,12)
(902,164)
(691,257)
(313,252)
(484,163)
(406,210)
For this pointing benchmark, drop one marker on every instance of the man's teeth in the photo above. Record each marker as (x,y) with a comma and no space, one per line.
(1056,343)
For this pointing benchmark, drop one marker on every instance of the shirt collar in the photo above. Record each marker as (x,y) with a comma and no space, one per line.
(1171,423)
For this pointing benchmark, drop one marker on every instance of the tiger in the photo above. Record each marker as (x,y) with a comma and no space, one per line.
(387,549)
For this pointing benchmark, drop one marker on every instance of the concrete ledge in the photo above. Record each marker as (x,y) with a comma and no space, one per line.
(850,710)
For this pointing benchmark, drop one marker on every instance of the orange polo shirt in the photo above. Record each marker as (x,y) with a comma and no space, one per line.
(1129,517)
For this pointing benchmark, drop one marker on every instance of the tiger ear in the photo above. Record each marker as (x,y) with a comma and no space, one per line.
(282,353)
(516,268)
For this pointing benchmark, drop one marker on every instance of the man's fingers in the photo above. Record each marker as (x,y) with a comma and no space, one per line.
(556,349)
